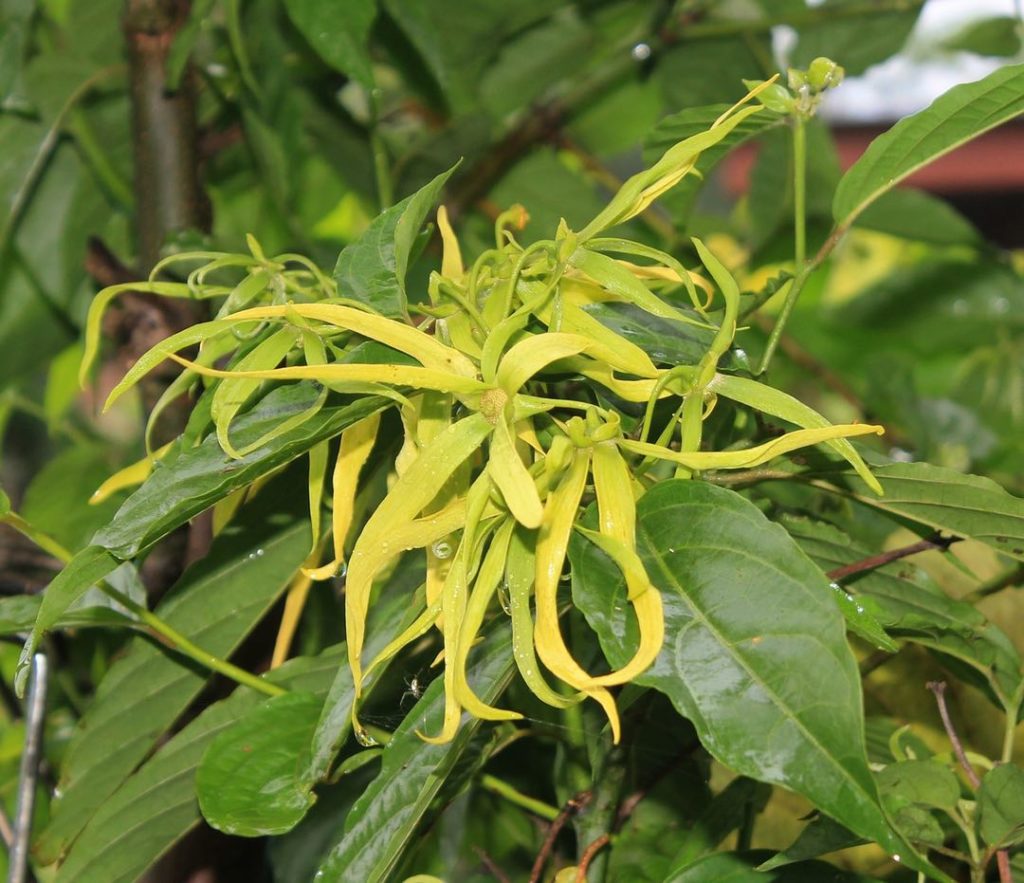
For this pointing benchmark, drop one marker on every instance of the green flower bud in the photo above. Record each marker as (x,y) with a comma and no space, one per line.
(823,74)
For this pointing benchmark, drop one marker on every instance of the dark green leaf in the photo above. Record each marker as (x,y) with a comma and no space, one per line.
(458,47)
(189,481)
(821,835)
(385,817)
(861,617)
(250,780)
(734,867)
(1001,806)
(726,813)
(910,605)
(856,40)
(157,805)
(962,113)
(998,36)
(664,340)
(372,269)
(338,32)
(772,689)
(19,612)
(216,603)
(710,71)
(915,214)
(958,504)
(86,569)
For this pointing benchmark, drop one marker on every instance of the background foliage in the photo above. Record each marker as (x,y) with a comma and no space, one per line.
(312,117)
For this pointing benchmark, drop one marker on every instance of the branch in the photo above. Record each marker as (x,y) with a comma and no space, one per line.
(939,689)
(935,541)
(588,857)
(572,806)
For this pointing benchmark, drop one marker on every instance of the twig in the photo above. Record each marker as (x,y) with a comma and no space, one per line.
(1003,863)
(28,777)
(939,689)
(1012,577)
(491,865)
(514,795)
(588,857)
(572,806)
(935,541)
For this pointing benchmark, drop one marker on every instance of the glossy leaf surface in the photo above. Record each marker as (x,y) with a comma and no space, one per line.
(372,269)
(755,653)
(957,116)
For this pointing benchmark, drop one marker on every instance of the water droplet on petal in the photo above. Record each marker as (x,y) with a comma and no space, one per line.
(442,549)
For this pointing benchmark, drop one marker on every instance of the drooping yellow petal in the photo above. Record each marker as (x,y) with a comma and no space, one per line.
(395,375)
(559,516)
(354,450)
(454,600)
(520,573)
(749,457)
(317,471)
(451,254)
(378,542)
(534,354)
(427,350)
(234,392)
(512,478)
(491,572)
(130,476)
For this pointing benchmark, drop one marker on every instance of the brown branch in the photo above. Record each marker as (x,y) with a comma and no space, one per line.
(939,689)
(588,857)
(572,806)
(935,541)
(1003,864)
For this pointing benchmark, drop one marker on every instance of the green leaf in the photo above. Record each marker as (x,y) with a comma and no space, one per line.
(772,688)
(962,113)
(1001,806)
(246,781)
(664,340)
(998,36)
(338,32)
(383,820)
(189,481)
(250,784)
(920,782)
(745,867)
(457,46)
(372,269)
(726,813)
(915,214)
(19,612)
(157,805)
(856,41)
(820,836)
(949,501)
(86,569)
(216,603)
(390,613)
(911,606)
(861,619)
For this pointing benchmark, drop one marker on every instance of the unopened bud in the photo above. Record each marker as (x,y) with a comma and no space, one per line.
(823,74)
